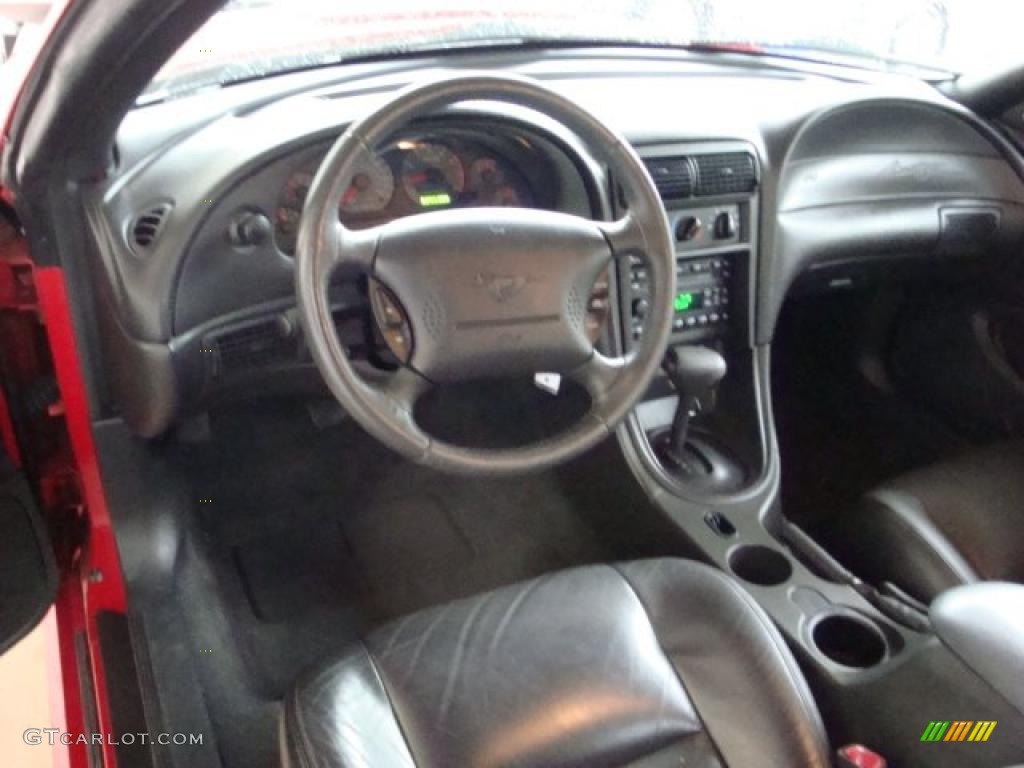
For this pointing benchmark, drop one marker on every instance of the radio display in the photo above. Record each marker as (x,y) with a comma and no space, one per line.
(684,302)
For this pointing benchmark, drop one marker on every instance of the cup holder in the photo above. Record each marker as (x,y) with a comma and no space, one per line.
(760,565)
(849,640)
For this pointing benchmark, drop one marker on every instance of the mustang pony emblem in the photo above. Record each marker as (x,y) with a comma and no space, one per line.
(502,287)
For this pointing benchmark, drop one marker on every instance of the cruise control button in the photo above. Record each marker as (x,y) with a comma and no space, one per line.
(398,343)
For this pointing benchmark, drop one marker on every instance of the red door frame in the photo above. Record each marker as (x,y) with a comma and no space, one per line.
(93,581)
(96,584)
(69,484)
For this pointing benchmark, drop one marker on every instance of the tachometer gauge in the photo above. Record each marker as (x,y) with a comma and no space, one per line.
(432,175)
(372,186)
(295,191)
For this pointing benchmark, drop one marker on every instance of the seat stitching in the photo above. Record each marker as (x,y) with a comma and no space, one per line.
(636,596)
(391,705)
(305,753)
(799,683)
(810,710)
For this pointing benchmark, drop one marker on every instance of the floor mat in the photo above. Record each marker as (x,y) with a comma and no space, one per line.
(406,539)
(314,518)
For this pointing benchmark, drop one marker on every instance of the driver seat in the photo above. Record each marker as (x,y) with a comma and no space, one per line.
(652,663)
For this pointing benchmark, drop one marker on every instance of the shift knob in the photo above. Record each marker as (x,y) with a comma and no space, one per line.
(694,370)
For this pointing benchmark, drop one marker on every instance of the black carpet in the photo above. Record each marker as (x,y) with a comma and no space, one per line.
(311,537)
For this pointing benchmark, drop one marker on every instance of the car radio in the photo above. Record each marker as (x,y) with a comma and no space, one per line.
(703,300)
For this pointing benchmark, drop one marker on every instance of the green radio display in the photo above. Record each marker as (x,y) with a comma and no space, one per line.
(684,302)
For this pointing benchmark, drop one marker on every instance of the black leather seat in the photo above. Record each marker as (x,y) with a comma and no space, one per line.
(652,663)
(949,524)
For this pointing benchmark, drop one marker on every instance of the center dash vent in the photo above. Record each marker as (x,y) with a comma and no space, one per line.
(729,173)
(145,229)
(249,347)
(673,176)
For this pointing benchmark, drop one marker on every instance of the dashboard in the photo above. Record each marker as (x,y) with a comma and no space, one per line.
(770,179)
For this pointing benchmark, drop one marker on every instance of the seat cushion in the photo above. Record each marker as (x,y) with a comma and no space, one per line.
(652,663)
(936,528)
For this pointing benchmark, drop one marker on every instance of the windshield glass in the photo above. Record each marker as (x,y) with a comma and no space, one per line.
(928,38)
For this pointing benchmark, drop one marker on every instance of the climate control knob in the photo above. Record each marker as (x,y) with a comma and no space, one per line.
(688,228)
(725,226)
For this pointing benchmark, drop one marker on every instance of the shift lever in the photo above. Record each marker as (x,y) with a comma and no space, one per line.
(693,370)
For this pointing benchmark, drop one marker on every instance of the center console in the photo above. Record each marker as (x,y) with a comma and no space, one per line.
(710,195)
(702,444)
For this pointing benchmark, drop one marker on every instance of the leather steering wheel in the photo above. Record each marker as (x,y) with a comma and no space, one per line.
(466,293)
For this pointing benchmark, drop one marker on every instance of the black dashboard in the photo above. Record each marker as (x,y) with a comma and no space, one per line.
(196,228)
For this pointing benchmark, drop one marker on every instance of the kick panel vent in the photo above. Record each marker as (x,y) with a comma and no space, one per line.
(729,173)
(249,347)
(147,226)
(673,176)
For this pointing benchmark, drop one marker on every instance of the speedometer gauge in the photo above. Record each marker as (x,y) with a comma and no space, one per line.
(432,175)
(371,187)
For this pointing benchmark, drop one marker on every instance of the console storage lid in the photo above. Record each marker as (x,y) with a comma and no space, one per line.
(983,624)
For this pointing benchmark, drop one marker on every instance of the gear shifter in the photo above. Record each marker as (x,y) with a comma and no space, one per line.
(694,371)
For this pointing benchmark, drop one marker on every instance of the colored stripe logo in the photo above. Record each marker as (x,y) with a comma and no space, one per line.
(958,730)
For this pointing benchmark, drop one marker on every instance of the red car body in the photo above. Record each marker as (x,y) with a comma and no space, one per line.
(90,578)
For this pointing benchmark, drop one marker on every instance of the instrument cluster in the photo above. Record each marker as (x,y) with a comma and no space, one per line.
(412,175)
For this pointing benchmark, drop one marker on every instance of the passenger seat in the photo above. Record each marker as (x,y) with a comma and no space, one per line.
(953,523)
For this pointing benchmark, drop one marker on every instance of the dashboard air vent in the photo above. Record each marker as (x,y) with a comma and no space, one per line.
(729,173)
(249,347)
(673,176)
(147,226)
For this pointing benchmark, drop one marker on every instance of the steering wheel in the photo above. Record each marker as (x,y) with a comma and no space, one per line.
(465,293)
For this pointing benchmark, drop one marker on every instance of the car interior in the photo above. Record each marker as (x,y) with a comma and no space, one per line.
(552,404)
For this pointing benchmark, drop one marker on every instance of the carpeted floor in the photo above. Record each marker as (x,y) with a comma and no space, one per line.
(311,537)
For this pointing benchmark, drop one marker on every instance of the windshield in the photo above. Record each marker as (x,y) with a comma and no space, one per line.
(929,38)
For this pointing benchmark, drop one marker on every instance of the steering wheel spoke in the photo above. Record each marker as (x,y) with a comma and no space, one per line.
(405,387)
(625,236)
(599,374)
(350,252)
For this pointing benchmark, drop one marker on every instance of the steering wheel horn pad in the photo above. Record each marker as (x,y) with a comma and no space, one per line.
(493,292)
